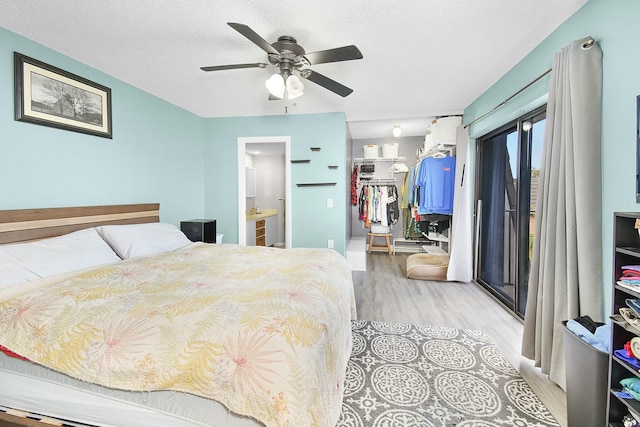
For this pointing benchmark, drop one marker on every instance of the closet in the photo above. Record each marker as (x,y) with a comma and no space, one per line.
(375,194)
(414,217)
(412,206)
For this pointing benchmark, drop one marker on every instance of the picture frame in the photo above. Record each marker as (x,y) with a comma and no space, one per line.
(49,96)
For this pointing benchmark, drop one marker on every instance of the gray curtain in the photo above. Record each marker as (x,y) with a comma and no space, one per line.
(566,269)
(492,241)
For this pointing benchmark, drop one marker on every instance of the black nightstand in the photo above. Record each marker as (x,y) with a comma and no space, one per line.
(199,230)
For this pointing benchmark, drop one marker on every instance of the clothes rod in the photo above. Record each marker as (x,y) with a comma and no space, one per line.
(508,99)
(377,181)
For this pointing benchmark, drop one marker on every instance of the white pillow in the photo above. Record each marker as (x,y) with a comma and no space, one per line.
(11,273)
(135,240)
(20,262)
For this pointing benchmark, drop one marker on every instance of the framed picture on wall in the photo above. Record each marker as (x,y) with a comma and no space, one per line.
(48,96)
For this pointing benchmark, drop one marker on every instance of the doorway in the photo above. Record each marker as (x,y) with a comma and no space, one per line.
(508,164)
(249,148)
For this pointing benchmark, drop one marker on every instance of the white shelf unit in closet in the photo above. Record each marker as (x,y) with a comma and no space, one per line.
(379,177)
(363,160)
(379,159)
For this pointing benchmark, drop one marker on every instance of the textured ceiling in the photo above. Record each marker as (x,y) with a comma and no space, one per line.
(422,59)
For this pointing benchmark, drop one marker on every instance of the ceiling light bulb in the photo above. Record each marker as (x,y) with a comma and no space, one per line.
(295,87)
(275,85)
(397,131)
(526,126)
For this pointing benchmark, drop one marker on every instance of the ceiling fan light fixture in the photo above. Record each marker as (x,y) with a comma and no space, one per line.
(289,56)
(275,85)
(295,87)
(397,131)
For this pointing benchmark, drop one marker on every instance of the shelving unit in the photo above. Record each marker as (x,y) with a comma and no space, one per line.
(441,241)
(381,177)
(379,159)
(626,251)
(413,246)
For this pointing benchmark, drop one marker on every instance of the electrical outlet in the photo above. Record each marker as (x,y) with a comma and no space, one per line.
(330,243)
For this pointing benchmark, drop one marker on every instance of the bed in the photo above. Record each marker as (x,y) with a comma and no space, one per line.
(109,317)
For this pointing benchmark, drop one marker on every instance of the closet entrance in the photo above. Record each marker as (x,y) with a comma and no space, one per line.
(508,162)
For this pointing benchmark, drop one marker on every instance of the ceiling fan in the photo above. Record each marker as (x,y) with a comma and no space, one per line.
(289,56)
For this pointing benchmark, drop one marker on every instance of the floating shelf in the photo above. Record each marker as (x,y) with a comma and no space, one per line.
(316,148)
(300,161)
(316,184)
(332,166)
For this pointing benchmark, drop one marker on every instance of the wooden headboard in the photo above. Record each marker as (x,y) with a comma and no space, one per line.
(32,224)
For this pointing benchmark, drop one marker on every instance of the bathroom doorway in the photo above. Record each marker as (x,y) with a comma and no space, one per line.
(264,185)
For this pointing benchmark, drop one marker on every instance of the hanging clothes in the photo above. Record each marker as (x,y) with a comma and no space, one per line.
(393,209)
(411,229)
(354,185)
(378,204)
(382,206)
(362,204)
(436,180)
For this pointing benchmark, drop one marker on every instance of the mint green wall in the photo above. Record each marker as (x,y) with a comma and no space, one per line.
(161,153)
(614,24)
(312,222)
(151,157)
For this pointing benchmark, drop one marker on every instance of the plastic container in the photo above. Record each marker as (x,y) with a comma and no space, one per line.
(587,374)
(380,229)
(370,151)
(429,144)
(444,130)
(390,150)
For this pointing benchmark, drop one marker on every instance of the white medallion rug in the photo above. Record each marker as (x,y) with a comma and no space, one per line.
(402,375)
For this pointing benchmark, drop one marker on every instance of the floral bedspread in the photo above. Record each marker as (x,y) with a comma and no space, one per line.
(264,331)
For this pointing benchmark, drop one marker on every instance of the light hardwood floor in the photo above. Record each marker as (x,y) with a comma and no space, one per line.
(384,293)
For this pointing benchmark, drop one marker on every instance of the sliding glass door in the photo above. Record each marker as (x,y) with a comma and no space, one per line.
(508,162)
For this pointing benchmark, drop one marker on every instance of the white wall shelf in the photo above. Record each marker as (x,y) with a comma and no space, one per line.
(379,159)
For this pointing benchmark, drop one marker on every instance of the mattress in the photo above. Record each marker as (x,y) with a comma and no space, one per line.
(34,388)
(203,324)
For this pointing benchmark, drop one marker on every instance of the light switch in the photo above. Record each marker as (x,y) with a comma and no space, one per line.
(329,203)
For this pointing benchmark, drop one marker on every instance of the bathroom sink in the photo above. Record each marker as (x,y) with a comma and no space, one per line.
(263,213)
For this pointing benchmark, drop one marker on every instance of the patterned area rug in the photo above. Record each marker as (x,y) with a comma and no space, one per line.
(402,375)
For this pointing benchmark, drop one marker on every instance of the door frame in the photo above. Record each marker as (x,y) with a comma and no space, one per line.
(242,199)
(523,181)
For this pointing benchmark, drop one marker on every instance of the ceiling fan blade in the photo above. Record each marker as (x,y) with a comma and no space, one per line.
(326,82)
(233,67)
(345,53)
(254,37)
